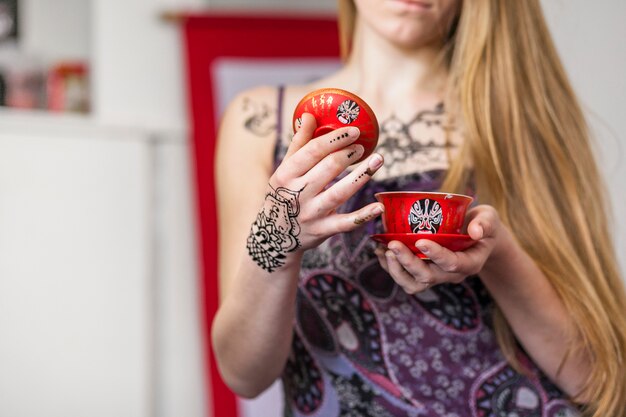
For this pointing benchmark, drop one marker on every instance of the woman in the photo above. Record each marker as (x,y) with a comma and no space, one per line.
(530,321)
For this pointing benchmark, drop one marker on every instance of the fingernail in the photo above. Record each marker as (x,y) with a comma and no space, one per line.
(389,254)
(378,210)
(353,131)
(375,161)
(481,231)
(422,248)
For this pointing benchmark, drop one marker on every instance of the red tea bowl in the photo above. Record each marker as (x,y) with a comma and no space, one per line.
(334,108)
(423,212)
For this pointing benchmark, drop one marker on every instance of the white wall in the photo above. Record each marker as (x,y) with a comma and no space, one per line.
(139,81)
(99,301)
(138,63)
(74,282)
(179,380)
(55,30)
(590,37)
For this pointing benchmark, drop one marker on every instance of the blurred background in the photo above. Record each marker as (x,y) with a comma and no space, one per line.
(100,304)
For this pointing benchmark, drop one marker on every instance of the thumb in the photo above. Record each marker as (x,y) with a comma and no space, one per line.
(305,127)
(483,223)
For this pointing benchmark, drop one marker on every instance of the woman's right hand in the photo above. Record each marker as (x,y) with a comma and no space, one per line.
(300,208)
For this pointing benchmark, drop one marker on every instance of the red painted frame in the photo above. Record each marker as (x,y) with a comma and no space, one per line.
(209,36)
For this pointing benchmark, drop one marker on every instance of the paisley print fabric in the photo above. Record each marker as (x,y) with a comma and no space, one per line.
(363,347)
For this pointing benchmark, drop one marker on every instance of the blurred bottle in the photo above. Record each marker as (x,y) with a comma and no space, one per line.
(68,87)
(25,84)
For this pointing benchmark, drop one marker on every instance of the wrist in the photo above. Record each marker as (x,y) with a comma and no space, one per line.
(270,247)
(294,259)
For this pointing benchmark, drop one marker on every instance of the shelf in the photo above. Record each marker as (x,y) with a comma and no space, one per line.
(19,122)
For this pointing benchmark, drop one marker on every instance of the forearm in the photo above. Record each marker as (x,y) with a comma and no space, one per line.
(535,313)
(252,331)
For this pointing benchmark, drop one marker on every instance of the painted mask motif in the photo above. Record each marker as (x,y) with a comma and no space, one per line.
(348,111)
(425,216)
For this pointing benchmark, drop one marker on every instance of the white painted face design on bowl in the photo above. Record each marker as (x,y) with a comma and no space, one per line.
(348,112)
(425,216)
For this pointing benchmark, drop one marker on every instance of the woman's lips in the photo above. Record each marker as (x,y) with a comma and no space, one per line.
(415,4)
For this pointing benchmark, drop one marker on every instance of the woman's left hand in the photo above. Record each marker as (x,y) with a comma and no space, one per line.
(415,275)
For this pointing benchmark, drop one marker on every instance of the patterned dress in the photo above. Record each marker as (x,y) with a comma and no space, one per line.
(363,347)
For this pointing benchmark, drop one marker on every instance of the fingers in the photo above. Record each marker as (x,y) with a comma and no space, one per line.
(340,192)
(455,266)
(396,261)
(339,223)
(413,264)
(445,259)
(482,222)
(303,134)
(331,166)
(415,275)
(311,153)
(380,254)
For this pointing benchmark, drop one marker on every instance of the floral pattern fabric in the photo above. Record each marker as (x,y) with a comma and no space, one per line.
(363,347)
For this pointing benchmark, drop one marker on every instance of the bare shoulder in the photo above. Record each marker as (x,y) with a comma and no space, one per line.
(249,127)
(255,120)
(254,110)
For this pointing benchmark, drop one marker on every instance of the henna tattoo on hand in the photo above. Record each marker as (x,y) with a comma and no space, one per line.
(369,172)
(260,119)
(275,230)
(342,136)
(361,220)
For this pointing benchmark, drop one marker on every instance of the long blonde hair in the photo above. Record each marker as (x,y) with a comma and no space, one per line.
(526,136)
